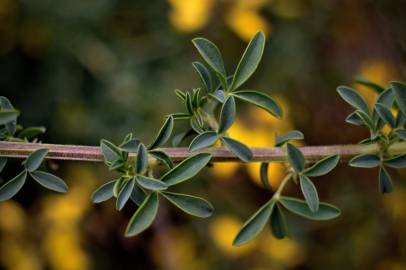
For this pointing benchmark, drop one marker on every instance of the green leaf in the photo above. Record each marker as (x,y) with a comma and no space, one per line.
(353,98)
(278,223)
(125,194)
(365,82)
(386,98)
(162,157)
(49,181)
(263,173)
(9,189)
(385,114)
(242,151)
(218,95)
(396,162)
(249,60)
(131,146)
(291,135)
(190,204)
(227,115)
(144,216)
(104,192)
(254,225)
(151,183)
(110,152)
(385,181)
(6,105)
(399,91)
(299,207)
(354,119)
(186,169)
(3,162)
(365,161)
(142,159)
(204,75)
(35,159)
(310,193)
(31,132)
(118,185)
(401,133)
(203,140)
(295,157)
(261,100)
(163,134)
(211,54)
(138,195)
(7,116)
(366,119)
(322,167)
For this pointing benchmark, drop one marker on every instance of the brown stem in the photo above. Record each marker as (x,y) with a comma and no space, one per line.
(220,154)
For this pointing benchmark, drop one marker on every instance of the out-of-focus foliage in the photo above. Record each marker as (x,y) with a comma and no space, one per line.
(92,69)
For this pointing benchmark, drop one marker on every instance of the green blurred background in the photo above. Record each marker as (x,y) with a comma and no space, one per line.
(100,69)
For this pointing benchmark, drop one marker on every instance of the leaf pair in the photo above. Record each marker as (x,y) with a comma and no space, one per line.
(274,210)
(322,167)
(32,164)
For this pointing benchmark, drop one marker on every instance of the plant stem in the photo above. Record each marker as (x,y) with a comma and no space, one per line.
(278,192)
(220,154)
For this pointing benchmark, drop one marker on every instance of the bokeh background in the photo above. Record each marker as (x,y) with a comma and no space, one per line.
(99,69)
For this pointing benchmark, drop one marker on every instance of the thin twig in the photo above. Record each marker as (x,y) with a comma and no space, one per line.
(220,154)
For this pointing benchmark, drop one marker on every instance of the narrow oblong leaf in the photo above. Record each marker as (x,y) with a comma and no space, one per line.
(365,82)
(261,100)
(218,95)
(396,162)
(310,193)
(291,135)
(354,119)
(204,75)
(366,119)
(385,114)
(385,181)
(162,157)
(242,151)
(323,166)
(104,192)
(353,98)
(254,225)
(365,161)
(278,223)
(401,133)
(163,134)
(5,104)
(144,216)
(227,115)
(151,183)
(7,116)
(263,173)
(186,169)
(49,181)
(3,162)
(203,140)
(399,91)
(35,159)
(12,187)
(125,194)
(31,132)
(295,157)
(142,159)
(299,207)
(131,146)
(211,54)
(138,195)
(190,204)
(249,60)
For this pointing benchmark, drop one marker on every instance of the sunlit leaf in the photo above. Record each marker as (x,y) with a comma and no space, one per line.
(35,159)
(163,134)
(190,204)
(254,225)
(365,161)
(186,169)
(310,193)
(261,100)
(9,189)
(295,157)
(299,207)
(49,181)
(203,140)
(322,167)
(239,149)
(249,60)
(125,194)
(144,216)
